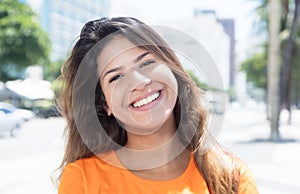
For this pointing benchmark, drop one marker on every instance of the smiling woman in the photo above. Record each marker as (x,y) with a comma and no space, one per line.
(134,120)
(137,87)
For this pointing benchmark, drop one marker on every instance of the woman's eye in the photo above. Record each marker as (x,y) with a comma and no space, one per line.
(147,63)
(116,77)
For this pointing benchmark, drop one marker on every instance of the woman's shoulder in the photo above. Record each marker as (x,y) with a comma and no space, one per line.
(82,174)
(97,166)
(99,161)
(246,179)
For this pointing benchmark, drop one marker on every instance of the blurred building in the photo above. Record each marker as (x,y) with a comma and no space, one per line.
(229,27)
(63,20)
(216,36)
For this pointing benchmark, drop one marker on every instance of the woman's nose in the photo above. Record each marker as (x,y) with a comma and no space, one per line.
(139,81)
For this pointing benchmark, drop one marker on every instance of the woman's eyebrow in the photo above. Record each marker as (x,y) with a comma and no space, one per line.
(139,58)
(112,70)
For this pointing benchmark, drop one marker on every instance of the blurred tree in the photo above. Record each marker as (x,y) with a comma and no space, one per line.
(52,74)
(53,70)
(289,35)
(288,54)
(274,68)
(22,40)
(256,69)
(288,58)
(262,17)
(200,84)
(295,74)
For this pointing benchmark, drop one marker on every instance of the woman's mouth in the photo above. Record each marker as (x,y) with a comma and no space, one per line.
(146,101)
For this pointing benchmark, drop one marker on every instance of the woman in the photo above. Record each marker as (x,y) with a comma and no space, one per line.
(134,120)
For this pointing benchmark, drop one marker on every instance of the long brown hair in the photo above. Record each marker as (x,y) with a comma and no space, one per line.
(216,165)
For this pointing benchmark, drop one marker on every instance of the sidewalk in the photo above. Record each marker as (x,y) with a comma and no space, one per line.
(28,161)
(275,166)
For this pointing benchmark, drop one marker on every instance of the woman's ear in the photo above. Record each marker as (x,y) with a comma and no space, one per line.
(108,111)
(106,108)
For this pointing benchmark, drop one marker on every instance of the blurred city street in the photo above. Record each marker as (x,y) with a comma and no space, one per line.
(28,161)
(275,166)
(239,51)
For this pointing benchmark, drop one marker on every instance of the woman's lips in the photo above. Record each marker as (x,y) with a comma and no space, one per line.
(147,102)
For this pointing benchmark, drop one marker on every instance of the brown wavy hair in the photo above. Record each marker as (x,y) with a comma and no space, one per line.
(216,165)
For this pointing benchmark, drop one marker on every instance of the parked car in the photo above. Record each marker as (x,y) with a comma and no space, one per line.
(12,118)
(9,108)
(45,108)
(47,112)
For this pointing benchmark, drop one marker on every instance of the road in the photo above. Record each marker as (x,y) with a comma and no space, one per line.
(28,161)
(275,166)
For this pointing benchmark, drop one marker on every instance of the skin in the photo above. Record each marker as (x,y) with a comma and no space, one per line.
(131,75)
(127,75)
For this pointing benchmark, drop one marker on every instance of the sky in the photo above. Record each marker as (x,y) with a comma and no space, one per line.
(153,12)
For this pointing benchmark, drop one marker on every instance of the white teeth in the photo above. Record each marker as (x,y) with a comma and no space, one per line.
(146,100)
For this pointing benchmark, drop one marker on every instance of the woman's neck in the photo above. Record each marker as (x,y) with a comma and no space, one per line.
(151,141)
(144,152)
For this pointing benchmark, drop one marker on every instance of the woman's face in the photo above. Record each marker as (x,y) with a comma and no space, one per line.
(140,90)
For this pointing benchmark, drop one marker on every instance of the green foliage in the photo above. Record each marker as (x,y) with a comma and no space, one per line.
(232,94)
(295,90)
(255,68)
(57,86)
(22,40)
(52,74)
(262,20)
(52,71)
(202,85)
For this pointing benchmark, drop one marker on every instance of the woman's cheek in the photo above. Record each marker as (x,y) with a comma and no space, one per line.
(118,93)
(164,75)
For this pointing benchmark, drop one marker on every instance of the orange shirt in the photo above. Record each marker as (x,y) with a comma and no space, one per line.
(94,176)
